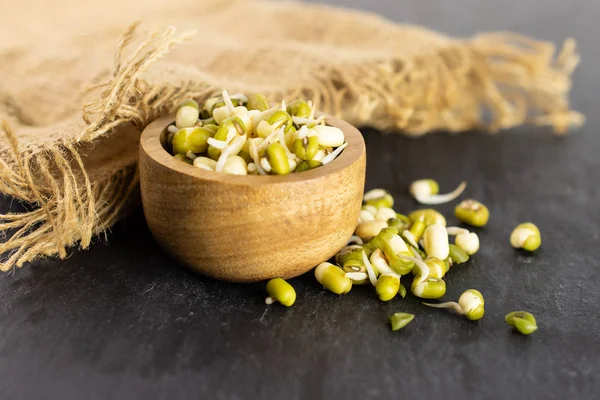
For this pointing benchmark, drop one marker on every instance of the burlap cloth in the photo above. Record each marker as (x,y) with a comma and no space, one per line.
(78,83)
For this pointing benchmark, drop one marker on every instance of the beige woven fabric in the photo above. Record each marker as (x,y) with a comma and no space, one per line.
(78,83)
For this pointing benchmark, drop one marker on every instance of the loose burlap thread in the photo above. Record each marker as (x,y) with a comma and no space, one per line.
(73,114)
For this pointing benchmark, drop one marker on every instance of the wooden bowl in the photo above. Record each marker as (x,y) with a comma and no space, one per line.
(250,228)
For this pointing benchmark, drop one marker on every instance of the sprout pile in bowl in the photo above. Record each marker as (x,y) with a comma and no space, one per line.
(243,135)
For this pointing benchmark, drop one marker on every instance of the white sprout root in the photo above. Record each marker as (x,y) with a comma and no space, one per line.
(256,158)
(265,164)
(172,129)
(356,276)
(410,238)
(222,159)
(415,252)
(378,259)
(218,144)
(442,198)
(228,102)
(422,265)
(272,138)
(332,156)
(288,153)
(237,144)
(292,163)
(374,194)
(230,135)
(269,300)
(310,132)
(307,121)
(319,156)
(370,271)
(303,132)
(450,304)
(312,109)
(455,231)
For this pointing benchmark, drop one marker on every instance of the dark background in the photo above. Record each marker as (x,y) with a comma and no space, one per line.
(122,320)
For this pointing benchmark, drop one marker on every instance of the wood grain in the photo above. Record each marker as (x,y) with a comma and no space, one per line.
(250,228)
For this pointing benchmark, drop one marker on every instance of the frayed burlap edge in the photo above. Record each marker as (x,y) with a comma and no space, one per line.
(70,208)
(511,80)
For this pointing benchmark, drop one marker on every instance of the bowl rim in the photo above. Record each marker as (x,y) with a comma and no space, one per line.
(150,144)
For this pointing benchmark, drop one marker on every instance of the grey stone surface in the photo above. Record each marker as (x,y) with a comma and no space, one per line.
(123,321)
